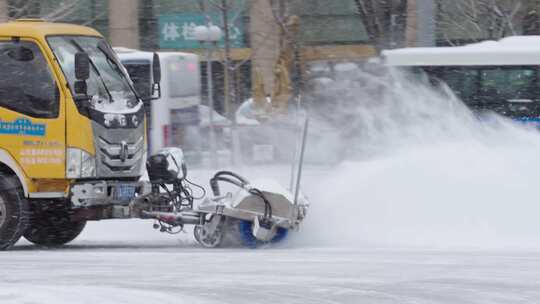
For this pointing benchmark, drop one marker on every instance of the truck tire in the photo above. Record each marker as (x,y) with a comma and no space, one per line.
(13,211)
(50,224)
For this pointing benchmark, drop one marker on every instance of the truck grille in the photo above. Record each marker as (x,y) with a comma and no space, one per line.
(120,157)
(119,152)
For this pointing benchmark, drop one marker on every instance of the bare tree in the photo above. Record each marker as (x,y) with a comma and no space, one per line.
(384,21)
(288,67)
(475,20)
(531,20)
(226,9)
(15,9)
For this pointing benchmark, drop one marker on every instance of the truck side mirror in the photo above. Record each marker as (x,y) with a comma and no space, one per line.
(82,73)
(156,76)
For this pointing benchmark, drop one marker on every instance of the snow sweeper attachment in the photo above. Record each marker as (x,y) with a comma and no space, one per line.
(248,214)
(256,213)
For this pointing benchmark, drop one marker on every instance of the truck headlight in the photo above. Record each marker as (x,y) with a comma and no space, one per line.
(79,164)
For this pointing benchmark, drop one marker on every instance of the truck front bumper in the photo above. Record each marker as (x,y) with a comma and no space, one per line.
(102,193)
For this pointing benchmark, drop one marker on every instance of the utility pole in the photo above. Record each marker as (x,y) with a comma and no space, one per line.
(124,23)
(4,11)
(229,82)
(412,24)
(227,66)
(420,30)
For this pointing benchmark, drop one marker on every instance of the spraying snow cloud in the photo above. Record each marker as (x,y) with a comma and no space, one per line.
(425,171)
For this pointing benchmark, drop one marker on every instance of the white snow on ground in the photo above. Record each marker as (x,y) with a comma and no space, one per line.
(177,274)
(126,261)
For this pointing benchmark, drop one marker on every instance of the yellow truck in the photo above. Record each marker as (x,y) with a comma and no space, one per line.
(73,148)
(68,115)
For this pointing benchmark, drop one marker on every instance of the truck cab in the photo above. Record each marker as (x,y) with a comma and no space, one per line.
(72,131)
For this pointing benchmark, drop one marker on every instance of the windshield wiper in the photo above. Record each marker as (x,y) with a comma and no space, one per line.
(111,60)
(79,47)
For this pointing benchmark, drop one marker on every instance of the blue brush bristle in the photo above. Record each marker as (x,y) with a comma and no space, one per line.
(249,240)
(281,234)
(247,236)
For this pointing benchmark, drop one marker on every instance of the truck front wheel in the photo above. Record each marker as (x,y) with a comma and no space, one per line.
(51,225)
(13,211)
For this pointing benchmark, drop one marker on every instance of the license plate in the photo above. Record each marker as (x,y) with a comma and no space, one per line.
(125,192)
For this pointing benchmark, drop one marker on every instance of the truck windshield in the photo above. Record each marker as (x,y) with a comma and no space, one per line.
(109,87)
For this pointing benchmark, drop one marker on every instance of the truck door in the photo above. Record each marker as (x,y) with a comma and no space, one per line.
(32,115)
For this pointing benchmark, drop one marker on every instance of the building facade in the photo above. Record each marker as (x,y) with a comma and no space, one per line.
(330,31)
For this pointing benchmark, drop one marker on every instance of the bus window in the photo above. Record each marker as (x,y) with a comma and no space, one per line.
(481,85)
(184,79)
(503,84)
(140,74)
(463,82)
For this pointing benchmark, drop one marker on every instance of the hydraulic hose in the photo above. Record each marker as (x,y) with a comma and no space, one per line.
(239,181)
(225,176)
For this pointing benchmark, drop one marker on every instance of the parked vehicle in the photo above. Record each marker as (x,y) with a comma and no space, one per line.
(501,76)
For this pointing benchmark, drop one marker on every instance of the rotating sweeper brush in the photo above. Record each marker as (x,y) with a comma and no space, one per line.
(249,214)
(256,213)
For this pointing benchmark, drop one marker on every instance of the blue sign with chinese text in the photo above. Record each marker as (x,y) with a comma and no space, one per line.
(176,31)
(22,126)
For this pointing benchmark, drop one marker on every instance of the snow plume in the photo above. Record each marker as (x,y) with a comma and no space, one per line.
(426,172)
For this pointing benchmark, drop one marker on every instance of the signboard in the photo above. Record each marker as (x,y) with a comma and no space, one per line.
(186,116)
(176,31)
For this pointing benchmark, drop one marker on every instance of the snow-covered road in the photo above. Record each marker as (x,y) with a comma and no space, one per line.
(332,260)
(162,271)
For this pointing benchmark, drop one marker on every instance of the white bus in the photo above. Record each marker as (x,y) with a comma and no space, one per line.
(502,76)
(174,117)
